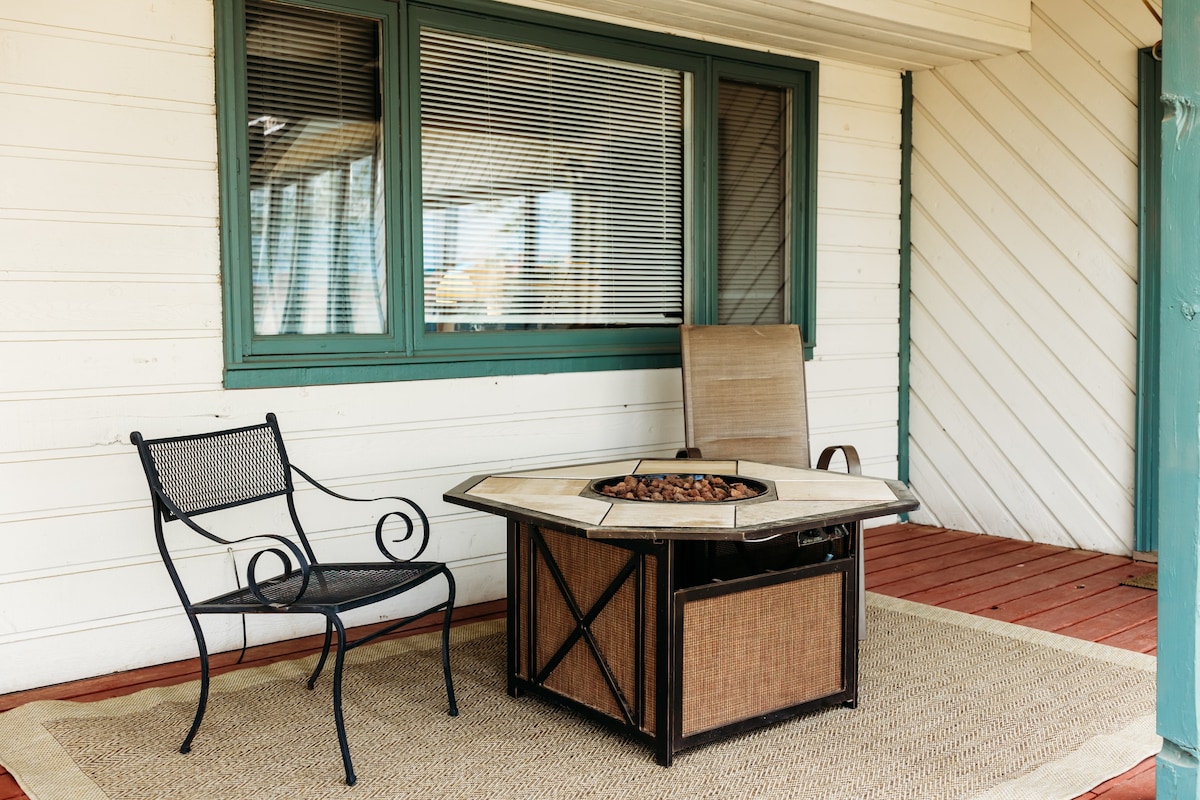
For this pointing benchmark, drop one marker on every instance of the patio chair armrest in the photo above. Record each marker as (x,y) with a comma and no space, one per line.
(285,550)
(853,464)
(410,515)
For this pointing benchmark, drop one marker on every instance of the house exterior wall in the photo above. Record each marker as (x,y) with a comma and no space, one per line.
(1024,282)
(110,321)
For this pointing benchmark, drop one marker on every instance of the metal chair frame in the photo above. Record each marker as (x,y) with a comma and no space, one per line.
(196,474)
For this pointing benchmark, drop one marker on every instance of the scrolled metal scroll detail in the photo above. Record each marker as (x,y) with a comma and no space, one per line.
(261,588)
(412,530)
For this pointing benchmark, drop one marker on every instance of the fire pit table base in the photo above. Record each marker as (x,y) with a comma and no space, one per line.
(682,622)
(680,643)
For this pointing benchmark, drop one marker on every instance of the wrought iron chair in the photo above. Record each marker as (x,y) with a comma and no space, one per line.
(190,476)
(744,397)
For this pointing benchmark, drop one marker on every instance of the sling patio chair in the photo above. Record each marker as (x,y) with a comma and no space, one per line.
(744,398)
(191,476)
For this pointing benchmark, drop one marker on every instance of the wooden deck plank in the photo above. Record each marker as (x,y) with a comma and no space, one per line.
(1137,610)
(1038,562)
(1062,605)
(987,560)
(888,535)
(1141,638)
(884,535)
(930,560)
(1049,573)
(916,552)
(9,789)
(1070,575)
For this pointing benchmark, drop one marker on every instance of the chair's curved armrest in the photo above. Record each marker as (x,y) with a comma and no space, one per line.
(405,515)
(688,452)
(853,464)
(285,550)
(252,582)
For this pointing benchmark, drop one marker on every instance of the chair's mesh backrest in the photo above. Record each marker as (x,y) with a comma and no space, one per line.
(743,392)
(211,471)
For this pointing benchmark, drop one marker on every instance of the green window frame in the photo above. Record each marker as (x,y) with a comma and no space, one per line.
(408,348)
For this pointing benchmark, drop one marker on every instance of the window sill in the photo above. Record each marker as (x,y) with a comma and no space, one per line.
(280,373)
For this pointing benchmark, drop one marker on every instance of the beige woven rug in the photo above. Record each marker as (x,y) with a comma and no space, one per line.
(952,706)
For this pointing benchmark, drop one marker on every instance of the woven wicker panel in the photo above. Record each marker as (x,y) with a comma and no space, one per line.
(522,633)
(589,567)
(753,652)
(651,647)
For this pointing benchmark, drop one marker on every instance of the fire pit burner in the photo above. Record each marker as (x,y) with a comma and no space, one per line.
(679,488)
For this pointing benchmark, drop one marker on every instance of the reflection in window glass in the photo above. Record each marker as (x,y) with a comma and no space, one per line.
(552,188)
(753,214)
(316,198)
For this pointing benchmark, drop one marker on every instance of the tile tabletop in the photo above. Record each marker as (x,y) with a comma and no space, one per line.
(795,500)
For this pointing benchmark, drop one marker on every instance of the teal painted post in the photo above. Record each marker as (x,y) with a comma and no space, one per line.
(1178,456)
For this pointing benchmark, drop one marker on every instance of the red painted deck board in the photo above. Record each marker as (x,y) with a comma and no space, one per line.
(1073,592)
(1022,586)
(986,560)
(1050,609)
(960,591)
(1138,609)
(9,790)
(1142,638)
(904,555)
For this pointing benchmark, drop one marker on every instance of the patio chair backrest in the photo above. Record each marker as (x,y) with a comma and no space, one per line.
(207,472)
(744,394)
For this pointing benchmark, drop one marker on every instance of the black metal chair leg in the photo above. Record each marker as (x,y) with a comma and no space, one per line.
(202,703)
(446,646)
(316,673)
(339,660)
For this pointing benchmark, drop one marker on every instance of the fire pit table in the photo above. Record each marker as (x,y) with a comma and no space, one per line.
(681,622)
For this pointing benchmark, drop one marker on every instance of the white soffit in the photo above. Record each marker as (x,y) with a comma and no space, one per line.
(897,34)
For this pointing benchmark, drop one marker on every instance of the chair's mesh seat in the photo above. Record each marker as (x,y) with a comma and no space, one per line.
(340,587)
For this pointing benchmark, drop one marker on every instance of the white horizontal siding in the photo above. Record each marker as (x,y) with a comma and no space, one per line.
(110,320)
(1024,282)
(854,376)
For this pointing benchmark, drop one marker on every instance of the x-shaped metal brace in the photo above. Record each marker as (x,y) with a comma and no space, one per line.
(584,620)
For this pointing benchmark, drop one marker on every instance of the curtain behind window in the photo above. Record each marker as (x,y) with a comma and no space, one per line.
(316,198)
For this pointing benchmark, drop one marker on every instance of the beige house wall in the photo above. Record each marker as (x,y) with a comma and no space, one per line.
(110,321)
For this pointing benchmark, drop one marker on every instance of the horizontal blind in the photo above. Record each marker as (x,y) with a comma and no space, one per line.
(552,187)
(316,191)
(753,242)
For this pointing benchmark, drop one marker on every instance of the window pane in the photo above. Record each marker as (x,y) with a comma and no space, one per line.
(316,197)
(553,188)
(753,214)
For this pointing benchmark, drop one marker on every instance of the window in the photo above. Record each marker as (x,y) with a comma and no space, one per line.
(432,192)
(553,183)
(753,208)
(316,172)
